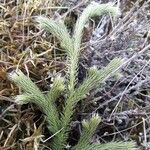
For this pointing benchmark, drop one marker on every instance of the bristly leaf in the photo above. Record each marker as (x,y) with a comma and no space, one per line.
(60,126)
(59,30)
(57,88)
(72,46)
(111,146)
(94,79)
(23,99)
(27,86)
(94,9)
(34,95)
(89,127)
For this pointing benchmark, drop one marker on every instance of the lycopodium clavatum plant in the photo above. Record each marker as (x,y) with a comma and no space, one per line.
(58,121)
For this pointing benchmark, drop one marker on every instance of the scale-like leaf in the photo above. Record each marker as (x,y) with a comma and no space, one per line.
(89,127)
(111,146)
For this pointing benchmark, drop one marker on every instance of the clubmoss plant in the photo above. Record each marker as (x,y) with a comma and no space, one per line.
(58,122)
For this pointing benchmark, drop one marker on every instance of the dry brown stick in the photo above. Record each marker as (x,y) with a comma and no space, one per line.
(125,19)
(71,9)
(125,63)
(4,98)
(120,94)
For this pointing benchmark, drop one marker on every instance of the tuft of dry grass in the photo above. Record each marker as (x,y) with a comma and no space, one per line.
(23,46)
